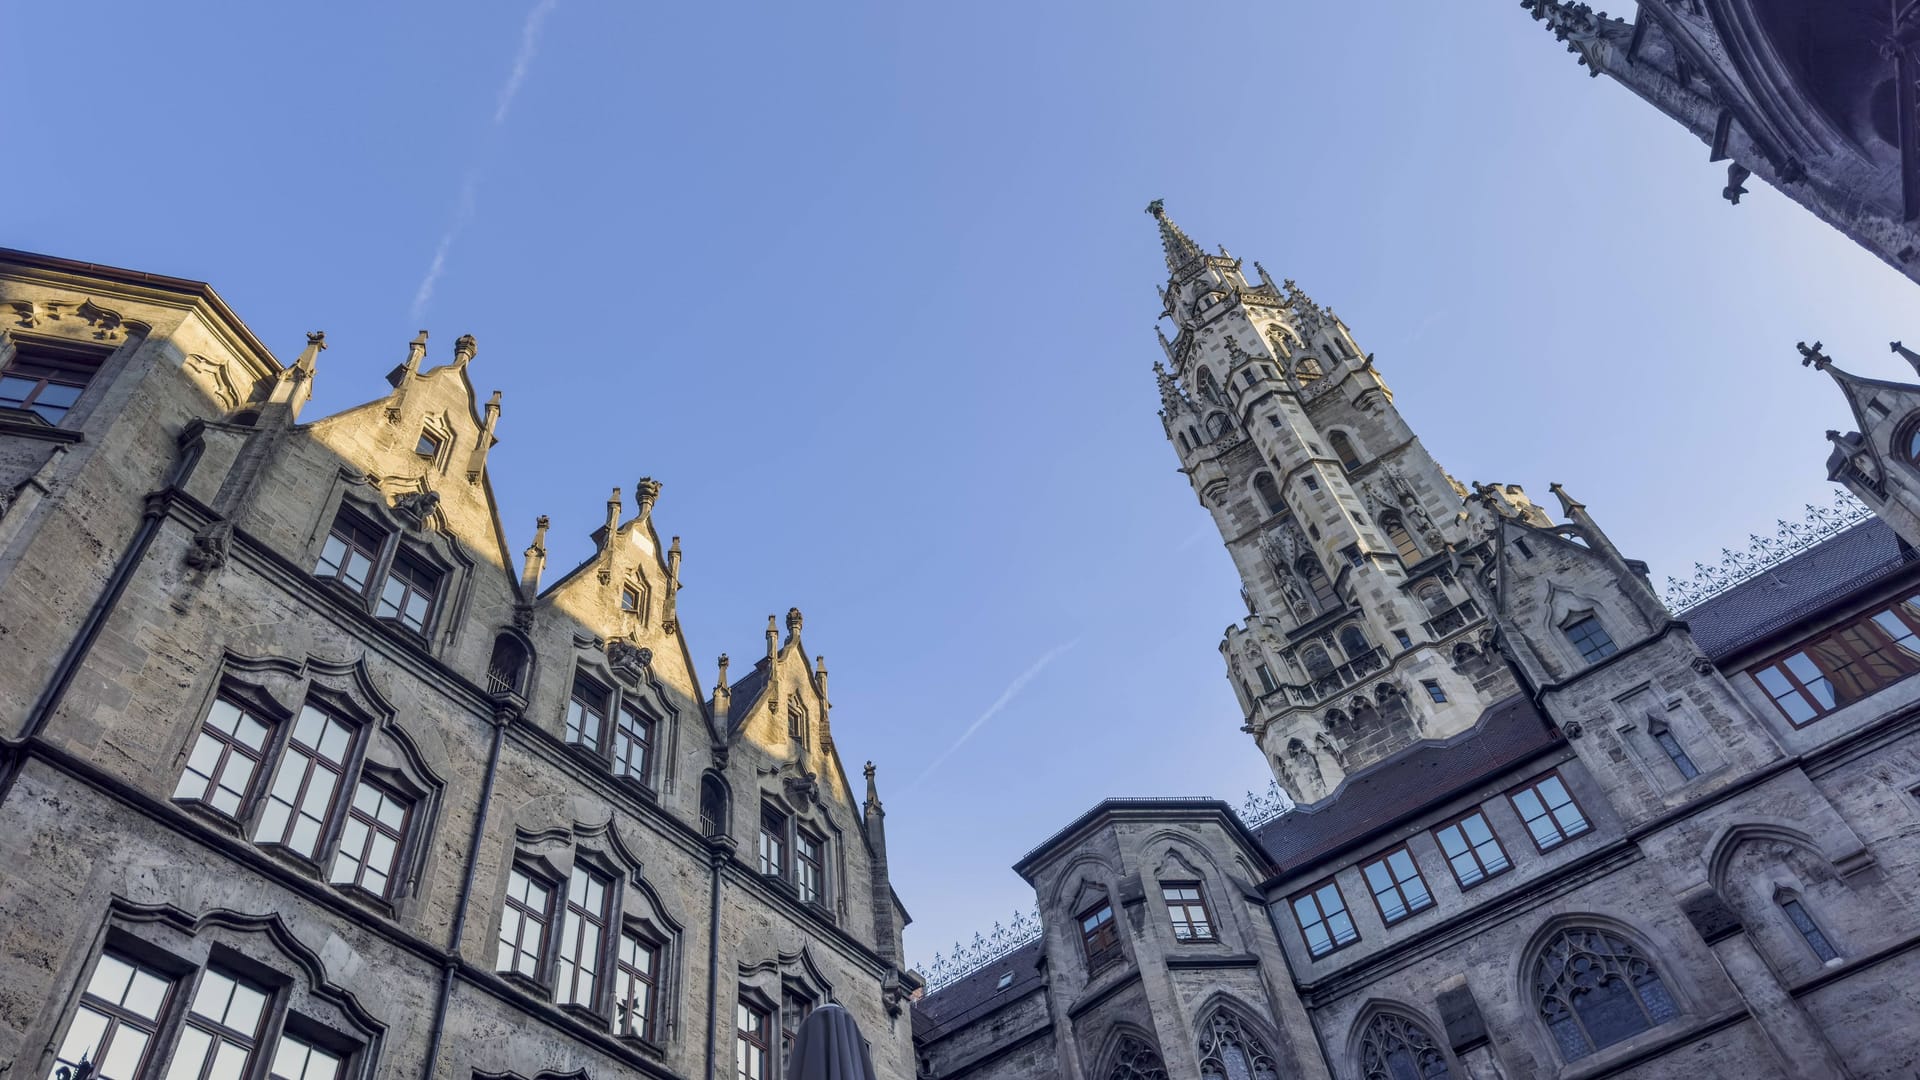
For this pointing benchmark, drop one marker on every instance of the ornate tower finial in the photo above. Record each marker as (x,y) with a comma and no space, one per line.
(647,490)
(310,356)
(1180,248)
(464,349)
(1811,356)
(793,620)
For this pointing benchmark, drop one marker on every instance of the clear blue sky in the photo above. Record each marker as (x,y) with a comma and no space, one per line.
(869,288)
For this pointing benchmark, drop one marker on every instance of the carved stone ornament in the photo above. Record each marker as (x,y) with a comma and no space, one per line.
(801,789)
(627,657)
(523,617)
(416,506)
(1572,729)
(105,322)
(1702,665)
(210,545)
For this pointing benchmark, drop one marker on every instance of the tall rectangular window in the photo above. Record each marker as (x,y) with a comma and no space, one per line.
(810,867)
(222,1030)
(351,550)
(46,380)
(1548,808)
(1434,693)
(587,714)
(1099,937)
(226,755)
(583,937)
(1674,751)
(794,1010)
(1473,852)
(1844,665)
(773,842)
(635,975)
(1187,910)
(407,595)
(1796,913)
(1322,915)
(1268,684)
(750,1042)
(633,744)
(298,804)
(119,1015)
(370,841)
(523,924)
(1397,887)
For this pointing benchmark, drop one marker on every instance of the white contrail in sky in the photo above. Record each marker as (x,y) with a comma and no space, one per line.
(1013,690)
(467,203)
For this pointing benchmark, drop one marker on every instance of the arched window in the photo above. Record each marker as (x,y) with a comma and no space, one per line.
(1134,1059)
(1354,643)
(507,668)
(1194,434)
(1343,449)
(1184,447)
(1400,538)
(1434,597)
(1796,913)
(1278,338)
(1594,989)
(1269,493)
(1907,439)
(1318,663)
(1229,1052)
(1396,1047)
(1217,425)
(1315,576)
(1210,390)
(1307,370)
(713,806)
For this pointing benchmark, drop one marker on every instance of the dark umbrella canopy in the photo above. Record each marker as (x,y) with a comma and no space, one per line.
(828,1046)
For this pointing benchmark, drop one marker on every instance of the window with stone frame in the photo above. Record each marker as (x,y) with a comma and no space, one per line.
(524,922)
(1398,1047)
(1187,910)
(1590,638)
(633,742)
(317,783)
(1136,1059)
(1402,540)
(1315,575)
(810,867)
(773,842)
(636,985)
(1397,887)
(142,1012)
(1593,989)
(1796,912)
(587,710)
(1473,851)
(1549,811)
(399,584)
(1669,744)
(1843,665)
(1321,913)
(43,380)
(1269,492)
(751,1045)
(1268,684)
(1343,449)
(1099,937)
(583,938)
(795,1006)
(1229,1050)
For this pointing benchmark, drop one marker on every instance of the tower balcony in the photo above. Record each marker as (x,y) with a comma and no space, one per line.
(1331,684)
(1450,620)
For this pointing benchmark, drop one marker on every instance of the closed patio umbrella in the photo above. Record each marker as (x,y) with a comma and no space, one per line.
(828,1046)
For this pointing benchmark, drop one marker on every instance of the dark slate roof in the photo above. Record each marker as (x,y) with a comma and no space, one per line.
(1824,574)
(1410,780)
(962,1002)
(745,694)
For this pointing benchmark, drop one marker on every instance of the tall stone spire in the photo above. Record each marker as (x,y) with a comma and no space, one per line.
(1361,638)
(1179,247)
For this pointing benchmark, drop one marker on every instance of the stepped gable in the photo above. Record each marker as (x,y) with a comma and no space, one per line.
(1823,575)
(966,999)
(1408,782)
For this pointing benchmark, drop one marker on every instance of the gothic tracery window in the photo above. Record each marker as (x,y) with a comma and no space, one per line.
(1594,989)
(1210,390)
(1307,370)
(1136,1060)
(1396,1047)
(1229,1052)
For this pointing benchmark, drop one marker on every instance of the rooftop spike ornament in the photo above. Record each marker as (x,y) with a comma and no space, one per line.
(1179,247)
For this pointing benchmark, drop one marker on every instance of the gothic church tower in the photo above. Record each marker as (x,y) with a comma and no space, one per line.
(1359,639)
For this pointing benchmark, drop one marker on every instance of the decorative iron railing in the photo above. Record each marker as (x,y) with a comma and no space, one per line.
(968,957)
(1260,807)
(1763,553)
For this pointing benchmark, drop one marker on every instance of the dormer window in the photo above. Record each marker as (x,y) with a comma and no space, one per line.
(1591,639)
(354,555)
(428,447)
(351,550)
(1099,937)
(629,598)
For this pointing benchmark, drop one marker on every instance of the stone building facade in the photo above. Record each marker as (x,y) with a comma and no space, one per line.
(1546,824)
(302,775)
(1819,99)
